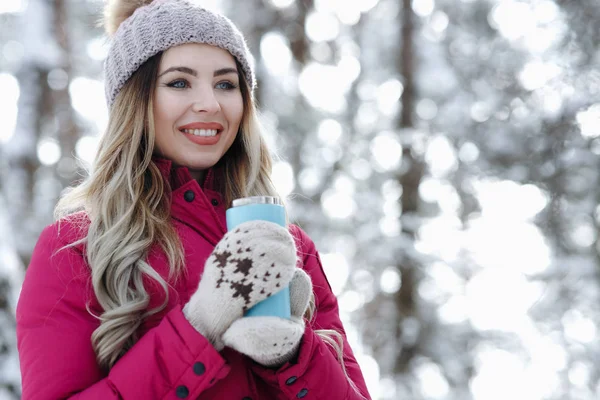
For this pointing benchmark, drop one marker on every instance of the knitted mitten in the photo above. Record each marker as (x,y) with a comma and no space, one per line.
(250,263)
(273,341)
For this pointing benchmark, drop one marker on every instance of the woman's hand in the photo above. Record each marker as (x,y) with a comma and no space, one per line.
(273,341)
(250,263)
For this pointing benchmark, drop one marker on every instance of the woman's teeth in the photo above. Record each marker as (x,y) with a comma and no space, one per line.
(201,132)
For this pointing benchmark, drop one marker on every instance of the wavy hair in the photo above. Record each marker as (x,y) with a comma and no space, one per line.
(125,198)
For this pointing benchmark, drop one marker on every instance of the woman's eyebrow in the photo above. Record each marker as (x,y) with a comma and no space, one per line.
(185,70)
(225,71)
(193,72)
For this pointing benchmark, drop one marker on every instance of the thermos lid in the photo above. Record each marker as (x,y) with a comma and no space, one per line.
(257,200)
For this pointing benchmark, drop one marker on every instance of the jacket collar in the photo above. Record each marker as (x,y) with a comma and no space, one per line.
(179,176)
(202,215)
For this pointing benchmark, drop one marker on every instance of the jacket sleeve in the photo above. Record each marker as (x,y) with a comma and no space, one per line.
(54,331)
(317,373)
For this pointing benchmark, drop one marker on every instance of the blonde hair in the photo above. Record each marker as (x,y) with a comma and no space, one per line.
(129,211)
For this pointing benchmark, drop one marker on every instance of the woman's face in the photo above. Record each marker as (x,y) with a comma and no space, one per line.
(198,105)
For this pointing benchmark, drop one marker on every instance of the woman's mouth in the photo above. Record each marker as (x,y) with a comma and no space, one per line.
(203,137)
(201,132)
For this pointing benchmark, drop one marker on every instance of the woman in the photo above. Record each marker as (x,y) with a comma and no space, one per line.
(137,291)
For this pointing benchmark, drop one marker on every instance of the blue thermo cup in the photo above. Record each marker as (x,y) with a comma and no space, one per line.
(266,208)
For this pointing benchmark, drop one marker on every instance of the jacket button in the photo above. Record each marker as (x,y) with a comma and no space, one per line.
(199,368)
(214,202)
(302,393)
(182,392)
(291,380)
(189,196)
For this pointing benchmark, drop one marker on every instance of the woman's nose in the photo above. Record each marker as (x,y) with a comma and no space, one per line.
(206,102)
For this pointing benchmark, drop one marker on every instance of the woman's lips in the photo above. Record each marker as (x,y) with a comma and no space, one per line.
(203,140)
(202,125)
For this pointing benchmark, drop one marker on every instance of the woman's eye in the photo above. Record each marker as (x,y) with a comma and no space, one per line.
(178,84)
(225,85)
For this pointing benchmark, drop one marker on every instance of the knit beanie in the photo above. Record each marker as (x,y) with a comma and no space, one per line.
(140,29)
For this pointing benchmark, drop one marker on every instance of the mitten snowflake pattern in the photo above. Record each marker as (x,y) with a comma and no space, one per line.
(250,263)
(245,271)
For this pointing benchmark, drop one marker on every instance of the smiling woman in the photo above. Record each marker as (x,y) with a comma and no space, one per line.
(198,106)
(137,291)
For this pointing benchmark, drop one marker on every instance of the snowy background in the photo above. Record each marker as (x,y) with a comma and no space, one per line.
(443,154)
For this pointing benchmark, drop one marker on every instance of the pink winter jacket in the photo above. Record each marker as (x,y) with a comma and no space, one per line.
(171,360)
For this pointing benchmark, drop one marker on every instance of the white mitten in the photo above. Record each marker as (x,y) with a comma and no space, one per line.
(250,263)
(273,341)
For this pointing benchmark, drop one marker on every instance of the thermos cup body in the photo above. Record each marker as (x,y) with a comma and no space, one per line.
(270,209)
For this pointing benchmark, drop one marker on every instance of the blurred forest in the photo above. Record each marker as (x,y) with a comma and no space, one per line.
(443,155)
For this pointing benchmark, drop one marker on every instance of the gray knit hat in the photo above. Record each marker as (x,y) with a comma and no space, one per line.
(163,24)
